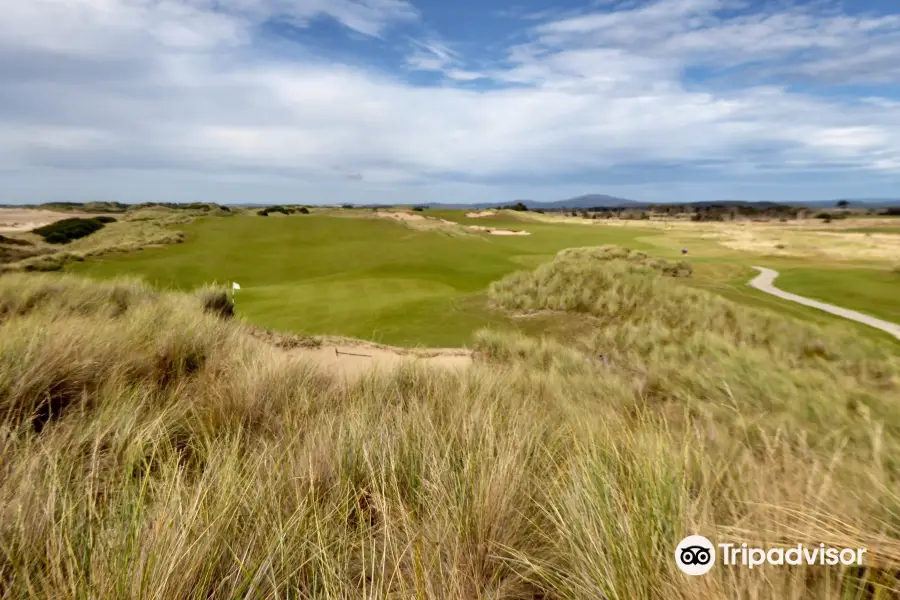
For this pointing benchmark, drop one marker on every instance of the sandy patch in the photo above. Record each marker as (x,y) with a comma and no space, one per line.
(350,358)
(19,220)
(353,361)
(493,231)
(420,222)
(481,214)
(401,216)
(15,220)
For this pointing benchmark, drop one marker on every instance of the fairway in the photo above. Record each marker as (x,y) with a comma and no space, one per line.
(355,275)
(360,277)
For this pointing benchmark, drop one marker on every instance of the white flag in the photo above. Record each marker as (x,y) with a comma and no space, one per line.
(234,286)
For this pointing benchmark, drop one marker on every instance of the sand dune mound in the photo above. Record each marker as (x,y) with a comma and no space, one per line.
(493,231)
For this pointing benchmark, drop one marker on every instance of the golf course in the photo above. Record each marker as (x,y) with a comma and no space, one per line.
(355,273)
(423,403)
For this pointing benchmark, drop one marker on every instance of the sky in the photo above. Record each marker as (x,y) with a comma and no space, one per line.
(407,101)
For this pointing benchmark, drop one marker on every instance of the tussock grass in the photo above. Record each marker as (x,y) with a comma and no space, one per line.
(150,448)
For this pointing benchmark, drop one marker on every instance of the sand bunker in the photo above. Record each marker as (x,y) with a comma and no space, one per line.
(356,360)
(480,214)
(350,358)
(493,231)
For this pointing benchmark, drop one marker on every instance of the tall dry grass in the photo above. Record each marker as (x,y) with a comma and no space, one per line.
(151,448)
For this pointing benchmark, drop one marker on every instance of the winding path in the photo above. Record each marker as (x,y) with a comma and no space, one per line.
(765,282)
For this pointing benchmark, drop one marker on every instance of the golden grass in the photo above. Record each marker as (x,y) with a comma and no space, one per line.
(137,229)
(153,449)
(801,238)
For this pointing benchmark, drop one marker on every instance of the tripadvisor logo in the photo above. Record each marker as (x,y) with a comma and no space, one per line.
(696,555)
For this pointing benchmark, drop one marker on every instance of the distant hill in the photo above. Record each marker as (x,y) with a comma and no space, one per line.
(586,201)
(579,202)
(857,202)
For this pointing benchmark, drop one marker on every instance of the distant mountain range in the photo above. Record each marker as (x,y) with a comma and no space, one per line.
(602,200)
(586,201)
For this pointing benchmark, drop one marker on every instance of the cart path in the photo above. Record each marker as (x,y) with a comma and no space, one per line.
(765,282)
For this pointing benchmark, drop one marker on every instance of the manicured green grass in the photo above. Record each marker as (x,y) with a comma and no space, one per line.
(872,291)
(359,277)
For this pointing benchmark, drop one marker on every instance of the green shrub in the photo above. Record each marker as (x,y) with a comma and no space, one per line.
(276,209)
(303,210)
(63,232)
(104,219)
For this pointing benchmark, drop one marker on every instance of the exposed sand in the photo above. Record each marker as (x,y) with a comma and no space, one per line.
(350,358)
(423,222)
(17,220)
(354,361)
(493,231)
(480,214)
(401,216)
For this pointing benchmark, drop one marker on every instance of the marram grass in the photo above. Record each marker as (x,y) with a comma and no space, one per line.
(153,448)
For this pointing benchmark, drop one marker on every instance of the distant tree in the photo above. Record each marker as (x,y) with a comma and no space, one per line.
(303,210)
(843,204)
(346,206)
(519,206)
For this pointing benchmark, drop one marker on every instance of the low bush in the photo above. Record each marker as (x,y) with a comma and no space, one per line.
(66,230)
(279,209)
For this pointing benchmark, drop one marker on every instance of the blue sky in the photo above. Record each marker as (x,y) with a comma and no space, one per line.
(327,101)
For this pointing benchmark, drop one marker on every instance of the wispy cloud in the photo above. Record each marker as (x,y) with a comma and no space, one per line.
(438,57)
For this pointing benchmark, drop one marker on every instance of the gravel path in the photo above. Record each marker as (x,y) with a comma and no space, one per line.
(765,283)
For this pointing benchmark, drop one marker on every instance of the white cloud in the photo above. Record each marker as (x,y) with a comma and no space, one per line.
(179,85)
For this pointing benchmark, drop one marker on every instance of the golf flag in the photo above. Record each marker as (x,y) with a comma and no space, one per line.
(234,286)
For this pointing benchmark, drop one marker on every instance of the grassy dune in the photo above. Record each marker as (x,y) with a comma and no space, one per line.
(152,448)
